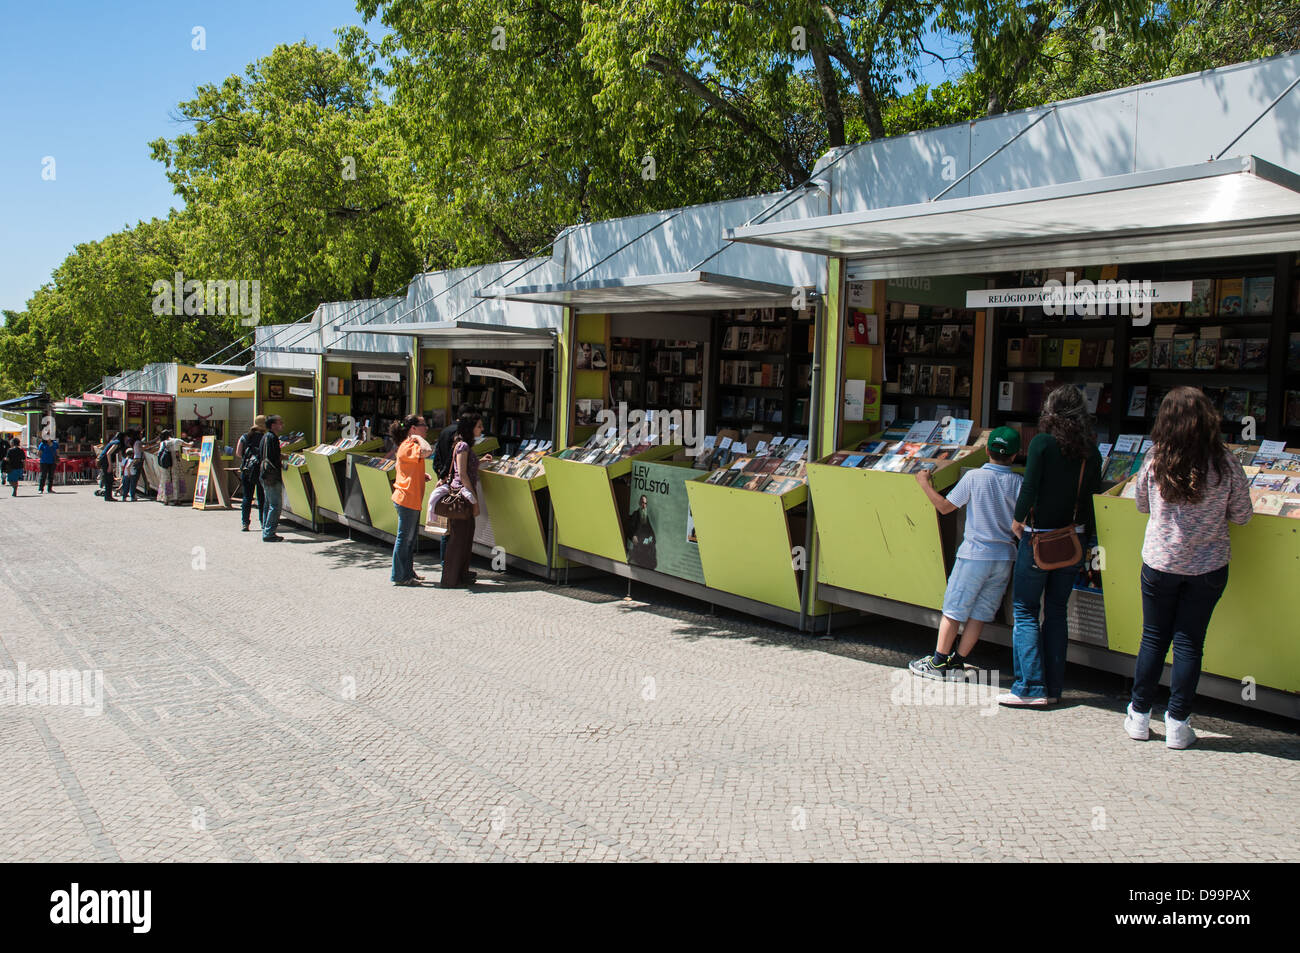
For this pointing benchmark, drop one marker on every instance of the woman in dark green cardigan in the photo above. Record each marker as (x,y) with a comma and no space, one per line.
(1062,472)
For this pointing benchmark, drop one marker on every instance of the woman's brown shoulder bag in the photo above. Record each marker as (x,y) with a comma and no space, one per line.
(1059,547)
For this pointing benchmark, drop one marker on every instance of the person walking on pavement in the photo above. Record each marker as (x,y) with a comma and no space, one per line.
(408,435)
(48,451)
(272,478)
(248,457)
(1193,488)
(108,461)
(15,460)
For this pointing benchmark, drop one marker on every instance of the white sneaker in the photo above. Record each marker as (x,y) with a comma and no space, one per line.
(1012,700)
(1178,734)
(1137,726)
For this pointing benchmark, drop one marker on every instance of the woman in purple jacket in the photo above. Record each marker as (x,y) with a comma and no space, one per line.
(1193,488)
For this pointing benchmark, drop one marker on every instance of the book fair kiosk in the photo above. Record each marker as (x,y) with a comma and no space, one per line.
(498,356)
(1216,241)
(722,348)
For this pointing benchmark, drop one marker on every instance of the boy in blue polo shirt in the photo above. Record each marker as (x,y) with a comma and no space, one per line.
(985,558)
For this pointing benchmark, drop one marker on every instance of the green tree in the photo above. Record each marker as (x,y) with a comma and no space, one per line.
(283,178)
(96,315)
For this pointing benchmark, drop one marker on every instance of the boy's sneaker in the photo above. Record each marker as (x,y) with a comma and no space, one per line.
(1178,734)
(928,668)
(1138,726)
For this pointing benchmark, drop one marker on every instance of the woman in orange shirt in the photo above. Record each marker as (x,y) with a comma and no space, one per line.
(408,493)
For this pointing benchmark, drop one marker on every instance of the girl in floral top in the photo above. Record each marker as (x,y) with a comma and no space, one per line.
(1193,488)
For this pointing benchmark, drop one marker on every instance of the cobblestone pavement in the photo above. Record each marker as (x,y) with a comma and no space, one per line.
(286,703)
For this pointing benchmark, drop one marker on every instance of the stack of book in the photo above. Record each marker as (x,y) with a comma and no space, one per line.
(776,466)
(525,463)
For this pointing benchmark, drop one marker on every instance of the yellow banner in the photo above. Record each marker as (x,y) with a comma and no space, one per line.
(190,379)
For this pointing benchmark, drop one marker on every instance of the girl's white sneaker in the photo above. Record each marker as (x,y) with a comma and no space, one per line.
(1137,726)
(1178,734)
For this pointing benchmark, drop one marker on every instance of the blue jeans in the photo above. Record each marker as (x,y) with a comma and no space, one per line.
(252,486)
(408,524)
(128,486)
(1038,653)
(1176,610)
(274,501)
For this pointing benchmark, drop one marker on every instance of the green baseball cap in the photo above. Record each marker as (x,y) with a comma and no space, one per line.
(1005,442)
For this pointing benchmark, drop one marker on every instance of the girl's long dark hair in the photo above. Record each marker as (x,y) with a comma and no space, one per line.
(1186,443)
(465,427)
(1065,416)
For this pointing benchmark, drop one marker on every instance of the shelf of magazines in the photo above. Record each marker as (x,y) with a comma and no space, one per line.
(514,499)
(585,483)
(325,465)
(1249,648)
(752,503)
(879,534)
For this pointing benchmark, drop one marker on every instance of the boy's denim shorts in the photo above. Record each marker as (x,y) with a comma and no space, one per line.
(975,588)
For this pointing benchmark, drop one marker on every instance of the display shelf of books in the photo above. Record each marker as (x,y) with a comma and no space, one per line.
(380,402)
(1291,373)
(325,463)
(375,476)
(591,381)
(763,370)
(929,359)
(776,465)
(753,501)
(510,414)
(880,536)
(656,374)
(524,464)
(613,453)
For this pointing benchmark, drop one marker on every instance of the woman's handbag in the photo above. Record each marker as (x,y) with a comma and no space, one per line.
(456,505)
(1059,548)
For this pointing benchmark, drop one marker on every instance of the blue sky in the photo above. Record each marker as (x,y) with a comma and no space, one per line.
(91,83)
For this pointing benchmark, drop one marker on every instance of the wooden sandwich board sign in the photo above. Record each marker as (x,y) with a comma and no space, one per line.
(211,477)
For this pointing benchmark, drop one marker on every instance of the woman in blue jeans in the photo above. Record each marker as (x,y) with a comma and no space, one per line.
(1193,488)
(1062,472)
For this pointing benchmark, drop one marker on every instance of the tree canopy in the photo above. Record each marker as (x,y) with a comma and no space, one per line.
(473,131)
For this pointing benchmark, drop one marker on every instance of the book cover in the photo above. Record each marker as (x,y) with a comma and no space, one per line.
(1167,309)
(907,379)
(925,379)
(1139,353)
(1229,354)
(1090,353)
(1230,295)
(1254,354)
(1162,354)
(921,431)
(1051,352)
(1236,404)
(1015,352)
(1207,354)
(1070,351)
(1137,401)
(949,339)
(1202,298)
(852,460)
(1259,295)
(1108,353)
(1118,466)
(1184,351)
(943,380)
(909,339)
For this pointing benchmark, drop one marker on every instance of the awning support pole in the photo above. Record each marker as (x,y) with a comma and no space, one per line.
(972,169)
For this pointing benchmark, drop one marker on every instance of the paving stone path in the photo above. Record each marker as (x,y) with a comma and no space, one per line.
(284,702)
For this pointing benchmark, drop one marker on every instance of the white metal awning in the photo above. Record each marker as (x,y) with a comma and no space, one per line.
(236,385)
(678,291)
(467,335)
(1237,206)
